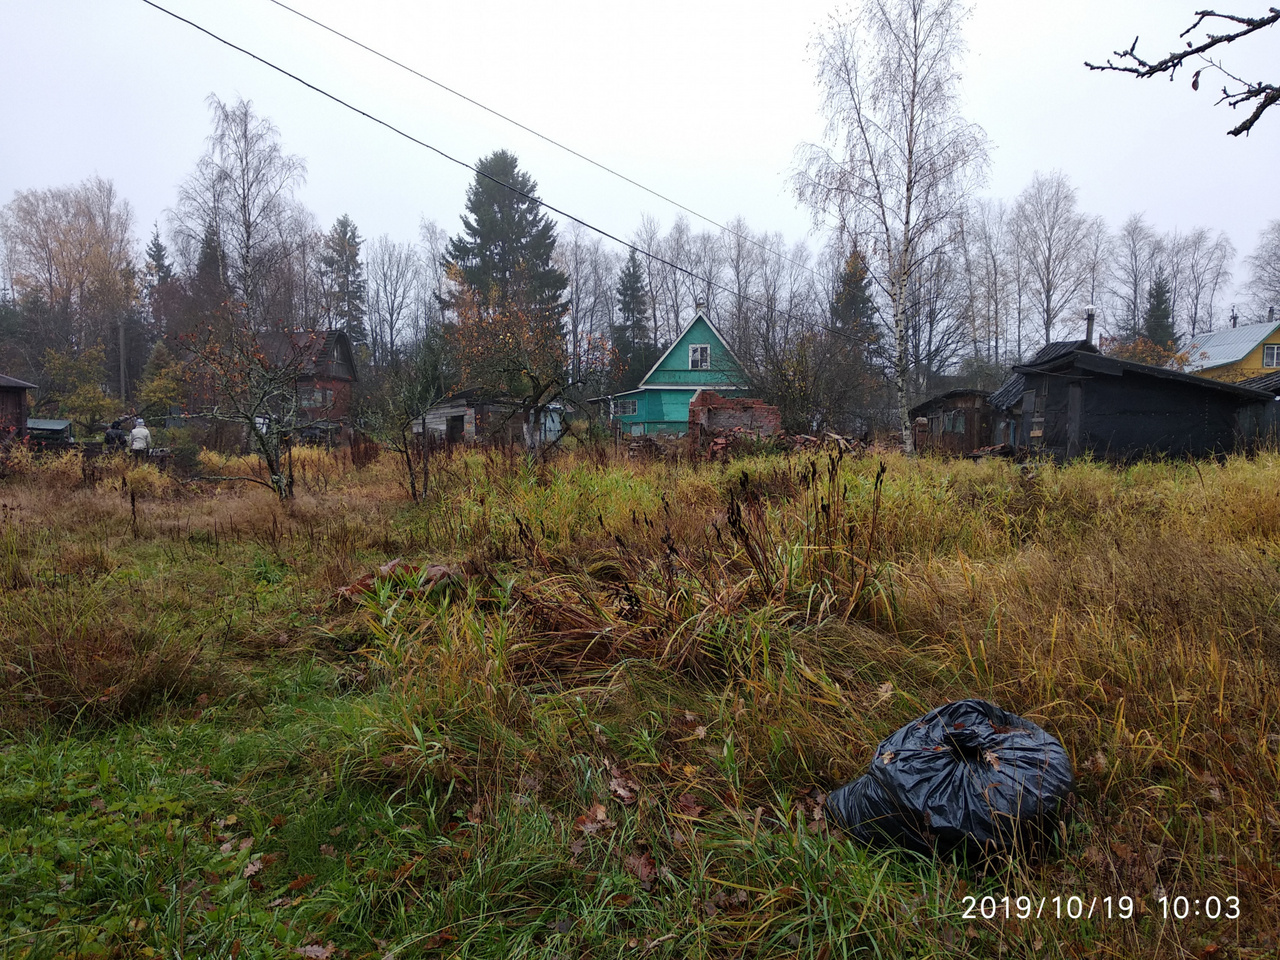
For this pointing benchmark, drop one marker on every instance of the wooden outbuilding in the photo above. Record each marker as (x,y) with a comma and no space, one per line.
(13,408)
(958,422)
(1072,401)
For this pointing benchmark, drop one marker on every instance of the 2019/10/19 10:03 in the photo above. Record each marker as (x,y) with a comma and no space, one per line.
(1103,908)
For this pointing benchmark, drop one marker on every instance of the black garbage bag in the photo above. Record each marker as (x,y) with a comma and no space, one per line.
(966,776)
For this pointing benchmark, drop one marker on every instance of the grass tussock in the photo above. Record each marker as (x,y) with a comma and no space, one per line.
(595,707)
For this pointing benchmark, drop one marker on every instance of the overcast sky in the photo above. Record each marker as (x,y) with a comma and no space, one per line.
(703,102)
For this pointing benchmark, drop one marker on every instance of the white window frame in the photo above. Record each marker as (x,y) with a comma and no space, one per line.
(699,356)
(626,408)
(1271,355)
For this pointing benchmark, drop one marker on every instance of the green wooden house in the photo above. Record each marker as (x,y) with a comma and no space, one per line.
(700,359)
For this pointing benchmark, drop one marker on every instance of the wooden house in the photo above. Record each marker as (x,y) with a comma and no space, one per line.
(478,416)
(322,365)
(1234,354)
(959,422)
(699,359)
(1072,401)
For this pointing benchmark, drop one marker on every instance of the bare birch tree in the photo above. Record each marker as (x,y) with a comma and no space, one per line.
(1208,262)
(242,190)
(1051,239)
(393,274)
(1264,272)
(899,159)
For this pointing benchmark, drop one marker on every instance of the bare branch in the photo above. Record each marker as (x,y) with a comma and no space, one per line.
(1262,95)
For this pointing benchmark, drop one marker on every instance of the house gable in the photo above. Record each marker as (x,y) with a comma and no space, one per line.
(699,358)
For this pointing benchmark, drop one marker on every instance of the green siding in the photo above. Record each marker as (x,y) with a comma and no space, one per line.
(674,368)
(667,410)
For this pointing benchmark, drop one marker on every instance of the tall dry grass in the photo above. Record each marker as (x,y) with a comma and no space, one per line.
(744,632)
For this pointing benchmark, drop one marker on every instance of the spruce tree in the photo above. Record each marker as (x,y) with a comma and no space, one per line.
(343,276)
(1157,321)
(158,265)
(504,253)
(631,334)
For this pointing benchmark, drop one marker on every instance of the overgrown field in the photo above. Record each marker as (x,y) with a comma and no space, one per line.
(595,708)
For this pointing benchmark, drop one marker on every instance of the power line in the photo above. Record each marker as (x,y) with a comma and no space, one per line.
(480,173)
(540,136)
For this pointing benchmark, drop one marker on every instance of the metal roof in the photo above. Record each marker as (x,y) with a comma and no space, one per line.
(34,423)
(1095,362)
(15,382)
(1227,346)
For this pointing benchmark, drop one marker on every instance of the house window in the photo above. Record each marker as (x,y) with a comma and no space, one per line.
(700,356)
(1271,355)
(626,408)
(316,397)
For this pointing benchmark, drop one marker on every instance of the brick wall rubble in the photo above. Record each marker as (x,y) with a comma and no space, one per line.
(711,413)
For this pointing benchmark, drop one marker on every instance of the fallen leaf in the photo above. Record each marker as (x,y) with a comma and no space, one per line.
(624,789)
(327,850)
(316,951)
(301,882)
(254,866)
(884,692)
(595,820)
(688,806)
(642,867)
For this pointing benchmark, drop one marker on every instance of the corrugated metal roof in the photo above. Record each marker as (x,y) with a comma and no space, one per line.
(1226,346)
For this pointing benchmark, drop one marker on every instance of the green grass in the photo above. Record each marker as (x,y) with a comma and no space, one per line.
(609,730)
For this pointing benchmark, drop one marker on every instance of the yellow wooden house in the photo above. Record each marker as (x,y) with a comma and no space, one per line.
(1236,353)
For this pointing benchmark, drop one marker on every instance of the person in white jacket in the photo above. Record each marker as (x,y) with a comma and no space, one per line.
(140,440)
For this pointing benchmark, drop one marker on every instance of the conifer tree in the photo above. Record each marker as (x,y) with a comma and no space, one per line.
(342,275)
(1157,321)
(504,253)
(634,352)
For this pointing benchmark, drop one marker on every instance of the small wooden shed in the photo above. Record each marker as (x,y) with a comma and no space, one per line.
(959,422)
(13,408)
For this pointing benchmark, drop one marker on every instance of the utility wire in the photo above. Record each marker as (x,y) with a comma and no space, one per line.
(540,136)
(480,173)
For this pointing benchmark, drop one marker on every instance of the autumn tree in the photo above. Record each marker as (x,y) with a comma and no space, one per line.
(1200,53)
(899,159)
(509,348)
(72,387)
(249,378)
(70,254)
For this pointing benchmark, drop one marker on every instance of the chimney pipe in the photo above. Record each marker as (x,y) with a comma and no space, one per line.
(1233,316)
(1088,328)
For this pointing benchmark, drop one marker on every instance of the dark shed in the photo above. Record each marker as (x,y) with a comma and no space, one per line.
(1077,401)
(959,421)
(13,408)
